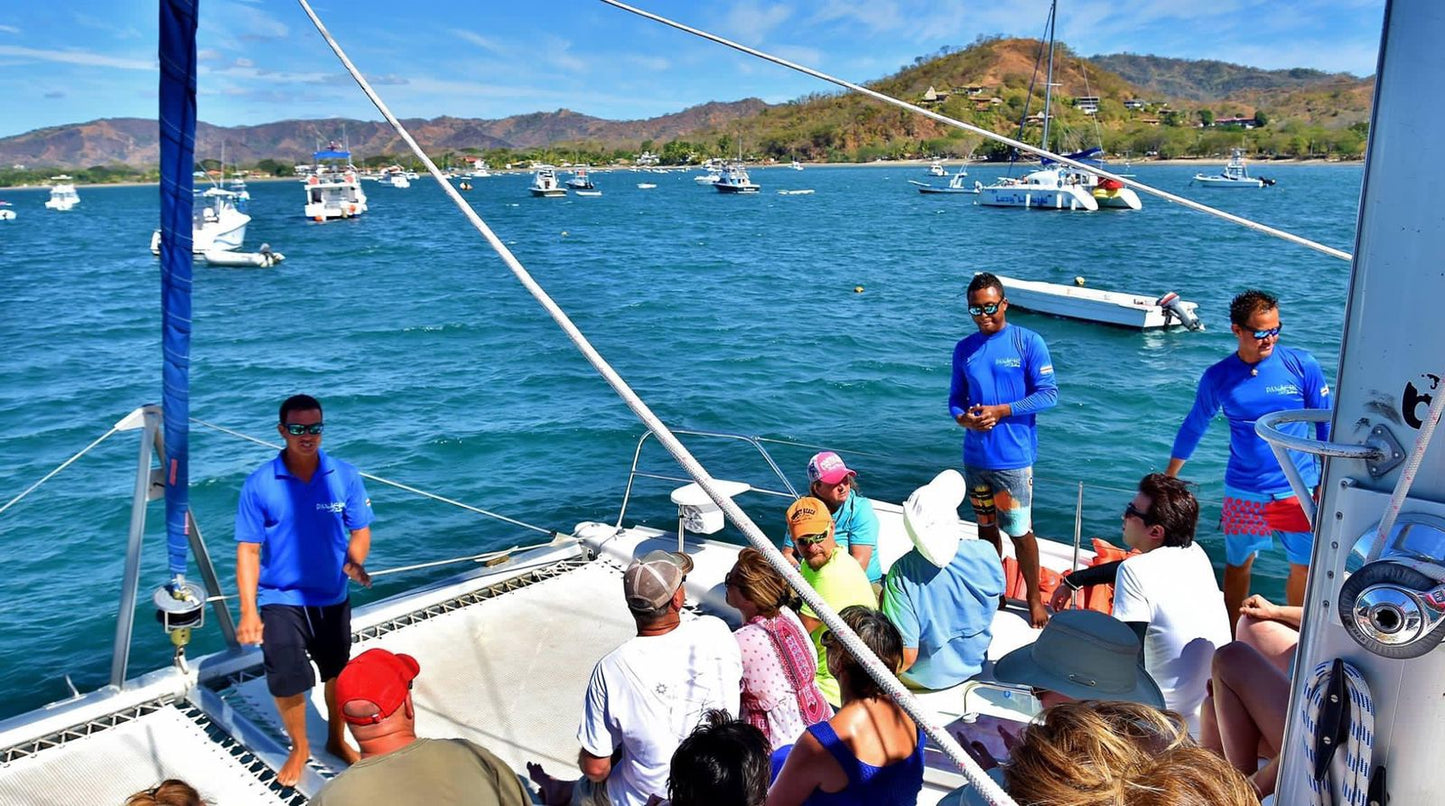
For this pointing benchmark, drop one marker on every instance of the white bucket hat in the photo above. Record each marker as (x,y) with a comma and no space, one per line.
(930,516)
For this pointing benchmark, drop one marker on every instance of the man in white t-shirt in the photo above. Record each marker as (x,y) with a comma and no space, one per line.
(647,695)
(1168,593)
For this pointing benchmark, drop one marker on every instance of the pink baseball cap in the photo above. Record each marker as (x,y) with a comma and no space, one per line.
(828,468)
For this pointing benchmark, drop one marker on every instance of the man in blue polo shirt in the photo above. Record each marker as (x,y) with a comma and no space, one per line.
(1002,377)
(1258,378)
(303,528)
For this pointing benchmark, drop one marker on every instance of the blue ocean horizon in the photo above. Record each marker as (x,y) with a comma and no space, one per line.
(725,313)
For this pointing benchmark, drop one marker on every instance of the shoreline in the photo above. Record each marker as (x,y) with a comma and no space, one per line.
(912,163)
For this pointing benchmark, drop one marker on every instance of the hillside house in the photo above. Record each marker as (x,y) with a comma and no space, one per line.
(1135,104)
(1247,123)
(1088,104)
(985,104)
(933,96)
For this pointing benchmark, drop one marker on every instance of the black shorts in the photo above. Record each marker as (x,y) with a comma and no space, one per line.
(293,636)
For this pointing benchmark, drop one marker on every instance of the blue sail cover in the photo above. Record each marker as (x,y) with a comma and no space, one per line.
(332,155)
(1087,156)
(178,158)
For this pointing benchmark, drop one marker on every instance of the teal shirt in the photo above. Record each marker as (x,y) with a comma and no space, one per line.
(856,524)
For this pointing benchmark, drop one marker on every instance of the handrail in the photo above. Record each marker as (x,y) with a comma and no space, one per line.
(633,473)
(1267,427)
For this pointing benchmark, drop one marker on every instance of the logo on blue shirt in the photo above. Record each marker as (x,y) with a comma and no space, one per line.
(1008,361)
(1282,389)
(336,507)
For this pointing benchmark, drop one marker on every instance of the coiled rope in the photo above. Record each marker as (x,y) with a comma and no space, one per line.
(1347,782)
(883,675)
(1163,194)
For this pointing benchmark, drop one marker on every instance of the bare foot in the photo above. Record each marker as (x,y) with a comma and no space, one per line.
(554,792)
(343,751)
(290,772)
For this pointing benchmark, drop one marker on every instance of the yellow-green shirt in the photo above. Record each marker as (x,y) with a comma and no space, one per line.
(842,583)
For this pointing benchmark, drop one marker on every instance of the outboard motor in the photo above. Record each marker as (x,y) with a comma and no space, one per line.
(1174,308)
(1266,182)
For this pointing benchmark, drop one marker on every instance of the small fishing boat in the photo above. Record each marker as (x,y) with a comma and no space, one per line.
(936,168)
(62,194)
(217,223)
(264,259)
(544,184)
(588,192)
(645,186)
(1077,301)
(955,185)
(801,192)
(1233,175)
(735,180)
(6,214)
(333,187)
(581,179)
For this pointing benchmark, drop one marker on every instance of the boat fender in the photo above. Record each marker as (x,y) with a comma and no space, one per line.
(857,289)
(1079,281)
(1174,307)
(1395,608)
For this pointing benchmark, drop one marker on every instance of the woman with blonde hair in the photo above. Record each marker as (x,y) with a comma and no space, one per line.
(1095,753)
(170,792)
(780,691)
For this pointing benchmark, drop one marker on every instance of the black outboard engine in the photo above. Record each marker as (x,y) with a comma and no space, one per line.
(1174,309)
(1266,182)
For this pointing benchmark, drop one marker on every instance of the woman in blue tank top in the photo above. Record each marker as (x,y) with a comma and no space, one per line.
(870,752)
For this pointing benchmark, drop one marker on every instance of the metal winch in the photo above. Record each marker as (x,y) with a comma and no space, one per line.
(180,608)
(1393,604)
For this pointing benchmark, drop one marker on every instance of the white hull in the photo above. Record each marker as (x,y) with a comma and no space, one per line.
(331,196)
(1037,197)
(1089,304)
(7,215)
(260,260)
(1121,199)
(1224,182)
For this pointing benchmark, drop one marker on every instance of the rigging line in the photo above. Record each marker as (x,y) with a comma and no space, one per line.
(885,677)
(62,466)
(1407,474)
(1163,194)
(388,482)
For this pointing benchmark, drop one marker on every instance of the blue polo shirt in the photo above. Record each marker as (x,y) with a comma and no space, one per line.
(303,528)
(856,524)
(1287,379)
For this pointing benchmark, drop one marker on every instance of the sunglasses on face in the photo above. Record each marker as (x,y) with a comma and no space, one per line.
(810,540)
(1131,511)
(297,429)
(985,310)
(1261,335)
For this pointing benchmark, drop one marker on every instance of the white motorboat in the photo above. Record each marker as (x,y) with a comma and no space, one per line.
(263,259)
(6,214)
(797,166)
(646,186)
(581,179)
(1233,175)
(62,194)
(333,188)
(734,179)
(216,223)
(544,183)
(1078,301)
(956,184)
(936,168)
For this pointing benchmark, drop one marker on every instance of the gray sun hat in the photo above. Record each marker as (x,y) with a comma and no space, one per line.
(1085,655)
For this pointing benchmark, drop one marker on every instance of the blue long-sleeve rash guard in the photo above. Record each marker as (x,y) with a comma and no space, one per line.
(1287,379)
(1011,366)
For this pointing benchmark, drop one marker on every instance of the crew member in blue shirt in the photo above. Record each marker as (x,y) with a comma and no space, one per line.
(1258,378)
(1002,376)
(303,528)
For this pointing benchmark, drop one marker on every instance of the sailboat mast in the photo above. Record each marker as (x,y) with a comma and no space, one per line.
(1049,81)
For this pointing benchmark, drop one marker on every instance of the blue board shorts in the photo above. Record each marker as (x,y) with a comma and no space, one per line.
(1002,498)
(1251,521)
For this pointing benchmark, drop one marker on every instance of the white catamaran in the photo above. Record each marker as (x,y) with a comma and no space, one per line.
(1375,607)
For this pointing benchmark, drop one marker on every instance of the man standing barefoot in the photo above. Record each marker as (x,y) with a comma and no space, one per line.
(303,528)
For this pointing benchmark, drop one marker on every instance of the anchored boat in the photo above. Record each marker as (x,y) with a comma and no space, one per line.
(1078,301)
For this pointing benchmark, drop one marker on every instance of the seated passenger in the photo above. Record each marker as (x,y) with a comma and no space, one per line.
(1108,753)
(648,694)
(833,574)
(170,792)
(724,762)
(1168,593)
(373,693)
(1270,628)
(870,752)
(854,521)
(942,594)
(780,690)
(1081,655)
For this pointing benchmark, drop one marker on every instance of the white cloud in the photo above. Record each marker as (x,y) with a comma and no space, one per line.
(244,62)
(80,57)
(655,64)
(478,40)
(9,29)
(750,22)
(558,51)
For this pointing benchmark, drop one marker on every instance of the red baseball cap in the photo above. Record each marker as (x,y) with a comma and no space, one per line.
(378,677)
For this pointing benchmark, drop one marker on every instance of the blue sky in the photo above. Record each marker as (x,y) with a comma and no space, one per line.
(79,60)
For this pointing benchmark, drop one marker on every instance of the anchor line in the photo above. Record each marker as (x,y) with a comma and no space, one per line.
(1163,194)
(67,463)
(884,676)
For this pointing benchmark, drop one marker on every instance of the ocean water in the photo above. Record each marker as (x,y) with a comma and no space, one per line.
(725,313)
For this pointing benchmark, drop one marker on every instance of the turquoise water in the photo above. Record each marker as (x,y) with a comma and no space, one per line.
(725,313)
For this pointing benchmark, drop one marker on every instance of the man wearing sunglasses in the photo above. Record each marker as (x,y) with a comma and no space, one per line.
(303,528)
(1002,377)
(1260,377)
(834,574)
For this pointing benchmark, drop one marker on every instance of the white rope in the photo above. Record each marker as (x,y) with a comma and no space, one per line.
(885,677)
(1407,474)
(390,483)
(1347,782)
(1180,200)
(67,463)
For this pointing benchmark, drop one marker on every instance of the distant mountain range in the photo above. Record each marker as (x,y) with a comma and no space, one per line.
(815,127)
